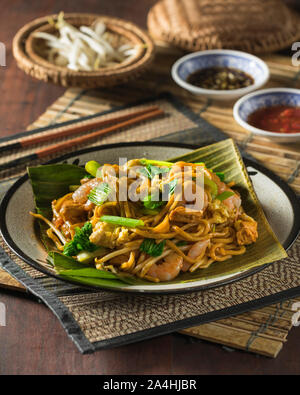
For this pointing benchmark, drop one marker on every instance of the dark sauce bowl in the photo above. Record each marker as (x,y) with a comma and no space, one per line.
(263,98)
(253,66)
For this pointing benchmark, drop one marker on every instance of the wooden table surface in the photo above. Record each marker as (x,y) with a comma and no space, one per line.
(33,341)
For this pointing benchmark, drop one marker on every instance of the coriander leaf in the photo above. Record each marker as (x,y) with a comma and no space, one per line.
(70,249)
(153,204)
(150,247)
(81,241)
(220,175)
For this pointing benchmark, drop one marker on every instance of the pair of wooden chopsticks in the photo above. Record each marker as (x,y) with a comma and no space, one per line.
(119,122)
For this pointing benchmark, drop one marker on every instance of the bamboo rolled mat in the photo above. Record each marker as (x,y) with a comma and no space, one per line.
(262,331)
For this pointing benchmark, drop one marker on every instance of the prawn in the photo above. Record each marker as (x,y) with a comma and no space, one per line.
(168,269)
(233,202)
(197,251)
(81,194)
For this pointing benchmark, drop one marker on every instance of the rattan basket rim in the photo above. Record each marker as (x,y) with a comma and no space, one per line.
(58,74)
(161,20)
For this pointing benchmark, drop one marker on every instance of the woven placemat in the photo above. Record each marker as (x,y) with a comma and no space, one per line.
(248,25)
(263,331)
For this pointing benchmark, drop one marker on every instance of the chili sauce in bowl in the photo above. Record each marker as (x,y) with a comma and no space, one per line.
(272,113)
(278,119)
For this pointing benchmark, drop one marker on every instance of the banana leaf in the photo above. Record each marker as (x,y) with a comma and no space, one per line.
(52,181)
(69,268)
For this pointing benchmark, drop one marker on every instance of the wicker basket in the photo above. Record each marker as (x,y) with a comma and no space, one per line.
(253,26)
(28,52)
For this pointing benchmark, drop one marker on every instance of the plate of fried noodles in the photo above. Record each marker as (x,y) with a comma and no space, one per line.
(150,217)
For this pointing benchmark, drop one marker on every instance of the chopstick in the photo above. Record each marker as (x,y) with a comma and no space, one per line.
(31,140)
(41,153)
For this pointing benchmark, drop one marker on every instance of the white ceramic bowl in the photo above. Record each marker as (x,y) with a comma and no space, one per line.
(248,63)
(266,98)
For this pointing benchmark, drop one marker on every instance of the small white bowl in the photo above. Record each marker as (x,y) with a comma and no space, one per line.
(266,98)
(248,63)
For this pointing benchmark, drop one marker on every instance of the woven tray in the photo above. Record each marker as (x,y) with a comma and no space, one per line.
(249,25)
(263,331)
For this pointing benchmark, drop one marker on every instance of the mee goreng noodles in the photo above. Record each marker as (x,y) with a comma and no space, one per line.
(151,219)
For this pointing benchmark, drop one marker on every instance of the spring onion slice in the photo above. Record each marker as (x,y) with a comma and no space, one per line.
(150,171)
(122,221)
(172,186)
(99,194)
(146,162)
(212,186)
(91,167)
(224,195)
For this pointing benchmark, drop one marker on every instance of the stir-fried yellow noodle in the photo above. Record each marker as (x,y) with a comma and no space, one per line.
(137,218)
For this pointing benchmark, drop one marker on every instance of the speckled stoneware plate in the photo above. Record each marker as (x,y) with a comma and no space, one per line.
(278,201)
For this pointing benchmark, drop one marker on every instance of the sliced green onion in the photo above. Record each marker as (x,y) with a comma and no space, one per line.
(158,170)
(88,256)
(145,172)
(155,162)
(172,186)
(212,186)
(91,167)
(99,194)
(224,195)
(151,171)
(122,221)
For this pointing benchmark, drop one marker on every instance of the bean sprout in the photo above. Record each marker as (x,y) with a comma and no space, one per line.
(84,49)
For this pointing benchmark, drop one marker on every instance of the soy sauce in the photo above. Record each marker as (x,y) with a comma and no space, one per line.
(220,78)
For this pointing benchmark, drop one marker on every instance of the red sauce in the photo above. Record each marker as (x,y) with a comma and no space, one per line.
(280,119)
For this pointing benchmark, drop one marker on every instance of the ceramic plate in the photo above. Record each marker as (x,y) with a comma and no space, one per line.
(278,201)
